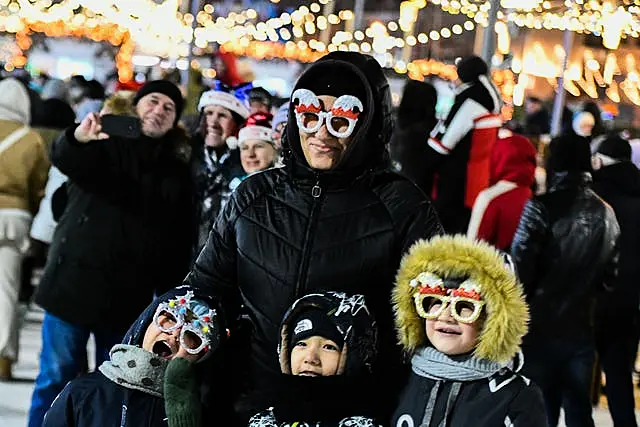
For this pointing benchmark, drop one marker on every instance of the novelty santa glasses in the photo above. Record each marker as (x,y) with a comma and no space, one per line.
(432,298)
(341,120)
(196,330)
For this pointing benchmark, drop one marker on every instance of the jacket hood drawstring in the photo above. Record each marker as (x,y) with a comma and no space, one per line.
(454,392)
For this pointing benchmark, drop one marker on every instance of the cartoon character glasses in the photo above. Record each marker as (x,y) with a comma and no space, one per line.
(432,299)
(197,331)
(341,120)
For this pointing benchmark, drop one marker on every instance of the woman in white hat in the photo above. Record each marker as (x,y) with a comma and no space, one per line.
(257,144)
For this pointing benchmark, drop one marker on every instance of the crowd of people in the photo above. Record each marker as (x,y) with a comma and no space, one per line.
(329,261)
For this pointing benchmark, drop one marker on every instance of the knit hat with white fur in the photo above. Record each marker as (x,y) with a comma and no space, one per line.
(225,100)
(257,126)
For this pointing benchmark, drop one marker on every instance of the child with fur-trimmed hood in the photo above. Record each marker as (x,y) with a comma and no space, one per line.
(461,314)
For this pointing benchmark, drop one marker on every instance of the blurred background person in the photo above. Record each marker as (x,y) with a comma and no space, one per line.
(214,163)
(260,100)
(279,122)
(564,245)
(55,89)
(226,66)
(416,118)
(599,128)
(257,144)
(582,126)
(497,210)
(459,148)
(89,97)
(23,173)
(537,118)
(617,181)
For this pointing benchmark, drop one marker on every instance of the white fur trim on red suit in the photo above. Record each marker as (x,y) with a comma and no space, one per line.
(482,203)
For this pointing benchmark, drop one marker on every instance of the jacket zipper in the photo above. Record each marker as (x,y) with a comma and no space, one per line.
(316,193)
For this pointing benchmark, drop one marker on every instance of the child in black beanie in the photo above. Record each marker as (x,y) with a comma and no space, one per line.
(326,351)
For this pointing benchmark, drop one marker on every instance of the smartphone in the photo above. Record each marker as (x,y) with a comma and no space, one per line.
(121,126)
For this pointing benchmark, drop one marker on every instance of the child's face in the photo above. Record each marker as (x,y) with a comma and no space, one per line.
(451,337)
(315,356)
(167,344)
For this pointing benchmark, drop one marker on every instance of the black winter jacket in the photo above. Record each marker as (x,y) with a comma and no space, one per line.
(126,232)
(291,231)
(96,401)
(619,185)
(506,399)
(212,172)
(563,249)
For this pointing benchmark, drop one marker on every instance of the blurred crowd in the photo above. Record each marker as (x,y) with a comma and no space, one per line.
(285,215)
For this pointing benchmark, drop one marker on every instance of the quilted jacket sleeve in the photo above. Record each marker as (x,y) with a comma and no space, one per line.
(424,224)
(528,242)
(214,270)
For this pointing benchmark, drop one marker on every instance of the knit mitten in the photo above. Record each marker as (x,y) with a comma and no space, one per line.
(182,394)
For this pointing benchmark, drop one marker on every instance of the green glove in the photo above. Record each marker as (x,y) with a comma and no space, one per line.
(182,394)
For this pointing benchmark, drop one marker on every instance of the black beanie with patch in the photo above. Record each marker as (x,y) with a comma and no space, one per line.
(314,322)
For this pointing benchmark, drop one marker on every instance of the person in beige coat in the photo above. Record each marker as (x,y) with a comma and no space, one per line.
(23,173)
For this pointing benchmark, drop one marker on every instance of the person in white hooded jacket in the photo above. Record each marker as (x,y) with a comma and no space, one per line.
(23,173)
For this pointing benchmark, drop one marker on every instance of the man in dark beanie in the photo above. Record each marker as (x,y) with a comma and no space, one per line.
(617,181)
(459,148)
(564,248)
(335,217)
(125,234)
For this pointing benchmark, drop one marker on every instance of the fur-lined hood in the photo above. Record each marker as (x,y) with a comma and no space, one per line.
(353,320)
(454,257)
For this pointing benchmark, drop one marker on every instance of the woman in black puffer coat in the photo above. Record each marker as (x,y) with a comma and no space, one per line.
(290,231)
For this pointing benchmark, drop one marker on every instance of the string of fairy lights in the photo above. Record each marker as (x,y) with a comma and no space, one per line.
(304,34)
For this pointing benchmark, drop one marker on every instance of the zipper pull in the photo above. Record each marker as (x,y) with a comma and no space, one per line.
(316,191)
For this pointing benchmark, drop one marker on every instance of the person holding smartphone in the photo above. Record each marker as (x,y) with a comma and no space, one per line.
(126,233)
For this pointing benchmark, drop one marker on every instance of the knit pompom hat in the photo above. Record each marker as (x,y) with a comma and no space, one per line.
(257,126)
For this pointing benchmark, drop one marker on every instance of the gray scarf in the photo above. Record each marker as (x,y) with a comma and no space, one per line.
(135,368)
(432,364)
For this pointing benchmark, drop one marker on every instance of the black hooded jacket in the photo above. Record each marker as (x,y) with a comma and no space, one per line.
(325,401)
(96,401)
(291,231)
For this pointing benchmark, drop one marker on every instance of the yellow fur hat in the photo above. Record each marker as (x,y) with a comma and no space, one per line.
(454,257)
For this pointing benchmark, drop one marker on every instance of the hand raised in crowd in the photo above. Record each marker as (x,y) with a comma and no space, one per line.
(90,129)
